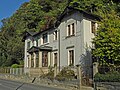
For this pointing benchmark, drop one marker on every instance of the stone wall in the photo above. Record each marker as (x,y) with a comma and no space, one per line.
(107,86)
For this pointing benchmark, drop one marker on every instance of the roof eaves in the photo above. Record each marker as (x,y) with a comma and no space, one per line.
(70,9)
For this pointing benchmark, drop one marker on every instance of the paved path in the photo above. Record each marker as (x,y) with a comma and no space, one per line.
(14,85)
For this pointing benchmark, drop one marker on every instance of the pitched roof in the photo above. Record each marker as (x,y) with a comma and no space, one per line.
(69,9)
(28,33)
(66,11)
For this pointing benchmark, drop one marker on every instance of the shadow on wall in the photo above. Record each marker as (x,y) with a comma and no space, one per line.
(86,64)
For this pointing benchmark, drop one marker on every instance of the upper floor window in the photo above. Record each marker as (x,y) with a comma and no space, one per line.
(45,38)
(55,35)
(71,29)
(28,45)
(93,30)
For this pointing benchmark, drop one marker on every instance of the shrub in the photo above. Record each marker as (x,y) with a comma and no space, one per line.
(15,66)
(108,77)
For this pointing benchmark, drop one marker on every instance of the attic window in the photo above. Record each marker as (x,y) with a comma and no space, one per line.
(93,30)
(68,30)
(71,29)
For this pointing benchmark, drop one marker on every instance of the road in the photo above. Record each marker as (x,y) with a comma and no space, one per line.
(14,85)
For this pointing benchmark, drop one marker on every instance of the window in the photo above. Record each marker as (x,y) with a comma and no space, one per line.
(32,60)
(28,45)
(36,42)
(93,27)
(45,38)
(37,59)
(71,57)
(28,58)
(55,58)
(44,58)
(55,35)
(71,29)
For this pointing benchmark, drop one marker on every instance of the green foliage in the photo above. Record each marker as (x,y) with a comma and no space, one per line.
(15,66)
(37,15)
(107,40)
(108,77)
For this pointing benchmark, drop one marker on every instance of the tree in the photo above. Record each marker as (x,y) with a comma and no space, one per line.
(107,40)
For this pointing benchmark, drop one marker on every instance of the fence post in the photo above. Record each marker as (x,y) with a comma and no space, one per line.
(95,70)
(79,75)
(55,70)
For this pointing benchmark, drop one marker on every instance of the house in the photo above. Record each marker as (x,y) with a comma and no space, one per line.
(67,43)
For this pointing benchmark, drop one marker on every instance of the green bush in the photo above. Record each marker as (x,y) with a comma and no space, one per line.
(108,77)
(65,74)
(15,66)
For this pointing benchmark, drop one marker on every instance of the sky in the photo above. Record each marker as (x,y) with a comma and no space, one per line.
(8,7)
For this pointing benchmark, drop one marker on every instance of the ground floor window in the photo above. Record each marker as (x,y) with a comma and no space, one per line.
(55,59)
(71,57)
(32,60)
(44,59)
(37,59)
(28,59)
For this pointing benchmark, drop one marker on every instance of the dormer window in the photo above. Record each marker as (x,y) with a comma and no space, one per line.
(45,38)
(71,29)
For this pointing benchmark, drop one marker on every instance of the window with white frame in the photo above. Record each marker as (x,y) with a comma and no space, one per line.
(45,38)
(71,57)
(71,29)
(44,59)
(37,59)
(32,60)
(55,58)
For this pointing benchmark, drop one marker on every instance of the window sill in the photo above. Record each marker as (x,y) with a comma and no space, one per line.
(70,36)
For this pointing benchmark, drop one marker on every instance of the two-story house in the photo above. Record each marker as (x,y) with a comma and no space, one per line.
(68,42)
